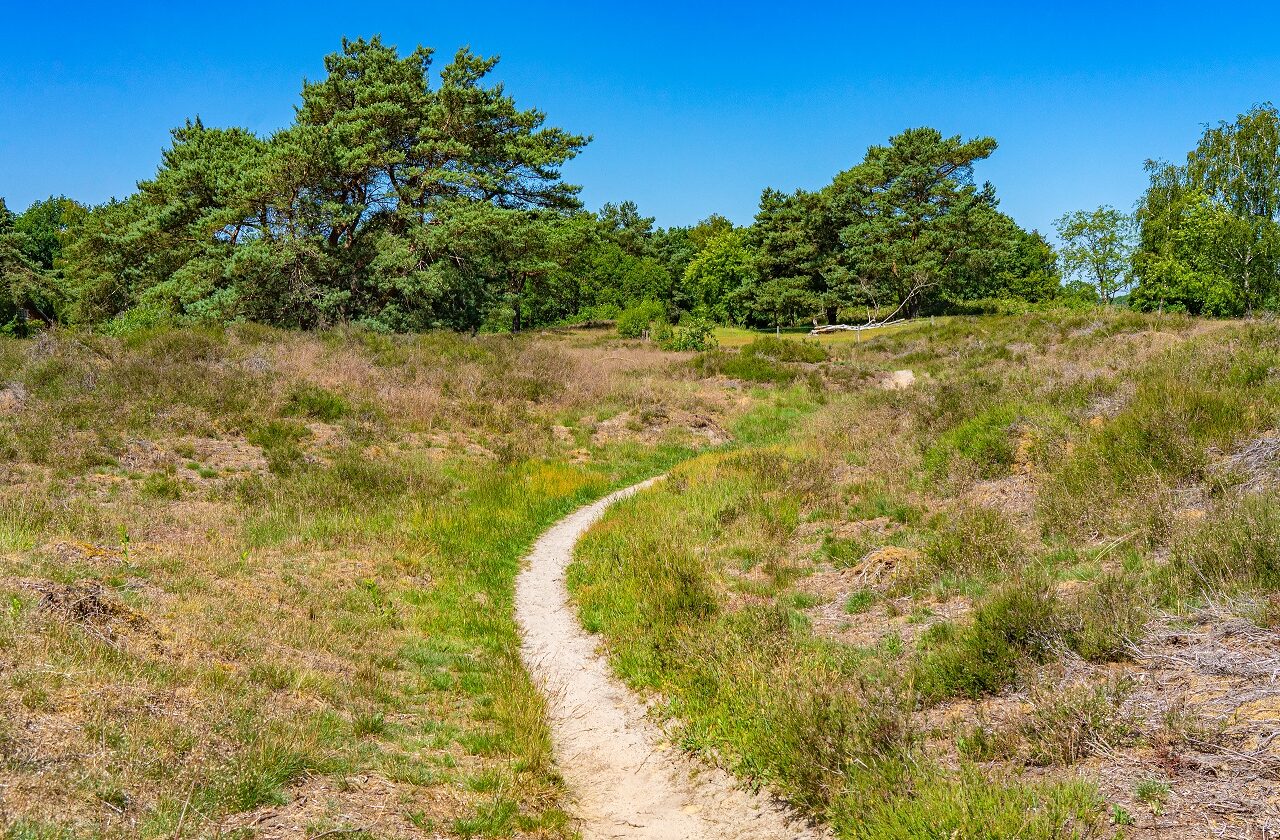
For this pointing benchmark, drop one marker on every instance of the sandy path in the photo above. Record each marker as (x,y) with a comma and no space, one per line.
(627,779)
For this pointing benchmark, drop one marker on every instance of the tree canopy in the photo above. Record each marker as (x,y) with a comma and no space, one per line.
(391,201)
(906,230)
(404,196)
(1209,240)
(1097,247)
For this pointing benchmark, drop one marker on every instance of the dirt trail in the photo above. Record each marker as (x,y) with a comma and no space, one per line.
(629,781)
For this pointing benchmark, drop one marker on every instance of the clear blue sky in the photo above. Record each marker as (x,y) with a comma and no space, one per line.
(694,107)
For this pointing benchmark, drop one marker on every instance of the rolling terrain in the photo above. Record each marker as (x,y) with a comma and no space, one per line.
(263,584)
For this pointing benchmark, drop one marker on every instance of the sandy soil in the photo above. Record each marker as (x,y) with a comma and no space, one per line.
(628,779)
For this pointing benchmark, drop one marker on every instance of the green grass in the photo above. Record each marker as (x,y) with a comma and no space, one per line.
(345,612)
(1106,430)
(860,601)
(308,400)
(825,725)
(981,447)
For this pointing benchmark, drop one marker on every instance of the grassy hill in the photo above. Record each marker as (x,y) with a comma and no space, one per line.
(1032,595)
(259,583)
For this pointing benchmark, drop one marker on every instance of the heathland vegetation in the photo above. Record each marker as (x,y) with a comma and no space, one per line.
(1030,596)
(277,429)
(258,579)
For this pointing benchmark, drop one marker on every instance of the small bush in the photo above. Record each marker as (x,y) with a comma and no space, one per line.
(819,734)
(142,318)
(281,444)
(635,321)
(1153,793)
(1018,622)
(162,486)
(697,334)
(308,400)
(1069,723)
(976,541)
(660,331)
(1106,619)
(1240,548)
(985,743)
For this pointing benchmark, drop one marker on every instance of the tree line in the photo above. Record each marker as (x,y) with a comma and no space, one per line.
(402,199)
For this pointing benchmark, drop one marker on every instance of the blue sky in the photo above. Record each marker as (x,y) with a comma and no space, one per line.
(694,107)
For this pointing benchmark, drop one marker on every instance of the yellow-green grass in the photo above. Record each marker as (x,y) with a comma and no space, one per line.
(252,576)
(246,570)
(1034,483)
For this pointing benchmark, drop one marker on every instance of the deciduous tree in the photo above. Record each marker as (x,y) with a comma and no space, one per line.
(1097,246)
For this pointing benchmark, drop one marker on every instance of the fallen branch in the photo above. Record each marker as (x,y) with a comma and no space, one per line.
(831,328)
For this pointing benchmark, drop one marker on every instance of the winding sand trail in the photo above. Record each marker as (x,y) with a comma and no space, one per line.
(629,781)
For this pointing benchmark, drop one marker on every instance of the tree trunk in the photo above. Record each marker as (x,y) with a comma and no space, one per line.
(832,314)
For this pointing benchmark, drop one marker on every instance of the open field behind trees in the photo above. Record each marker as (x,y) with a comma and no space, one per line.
(1034,595)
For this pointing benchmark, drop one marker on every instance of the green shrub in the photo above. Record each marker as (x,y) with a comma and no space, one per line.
(1106,619)
(661,332)
(817,734)
(162,486)
(991,306)
(1069,723)
(767,359)
(1238,548)
(1153,793)
(635,321)
(308,400)
(697,334)
(1017,623)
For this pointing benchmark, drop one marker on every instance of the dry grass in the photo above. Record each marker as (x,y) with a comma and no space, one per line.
(996,547)
(259,583)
